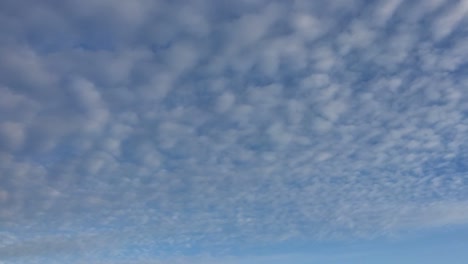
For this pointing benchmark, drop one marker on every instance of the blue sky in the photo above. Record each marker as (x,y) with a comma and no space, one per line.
(246,131)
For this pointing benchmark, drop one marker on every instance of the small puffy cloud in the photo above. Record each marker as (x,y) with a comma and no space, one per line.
(448,21)
(225,102)
(12,135)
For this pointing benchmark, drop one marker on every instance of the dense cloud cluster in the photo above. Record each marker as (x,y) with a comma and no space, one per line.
(145,127)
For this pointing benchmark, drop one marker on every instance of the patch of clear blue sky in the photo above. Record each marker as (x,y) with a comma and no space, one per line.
(441,245)
(444,245)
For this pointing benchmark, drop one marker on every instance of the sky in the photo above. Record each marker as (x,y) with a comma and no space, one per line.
(223,132)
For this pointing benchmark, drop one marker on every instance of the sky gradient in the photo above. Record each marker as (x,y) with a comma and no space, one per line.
(248,131)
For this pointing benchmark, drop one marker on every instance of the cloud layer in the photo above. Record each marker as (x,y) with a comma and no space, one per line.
(148,127)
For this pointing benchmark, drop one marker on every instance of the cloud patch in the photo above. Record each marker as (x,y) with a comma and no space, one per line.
(227,125)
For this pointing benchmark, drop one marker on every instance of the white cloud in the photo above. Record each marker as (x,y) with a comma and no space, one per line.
(94,108)
(308,26)
(225,102)
(12,135)
(451,19)
(29,66)
(158,87)
(386,10)
(334,109)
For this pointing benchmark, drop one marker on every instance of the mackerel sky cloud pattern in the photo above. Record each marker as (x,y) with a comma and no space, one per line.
(152,131)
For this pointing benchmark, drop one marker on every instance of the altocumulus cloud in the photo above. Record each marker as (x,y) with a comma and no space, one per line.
(142,128)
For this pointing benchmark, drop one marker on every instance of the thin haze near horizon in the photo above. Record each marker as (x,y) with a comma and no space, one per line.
(246,131)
